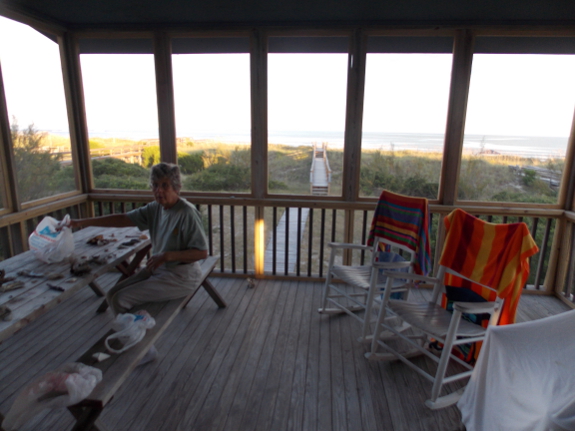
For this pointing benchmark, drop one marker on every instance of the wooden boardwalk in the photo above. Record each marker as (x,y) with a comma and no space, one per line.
(280,247)
(320,174)
(268,361)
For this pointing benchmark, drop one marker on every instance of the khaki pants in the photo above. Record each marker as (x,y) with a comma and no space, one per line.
(163,284)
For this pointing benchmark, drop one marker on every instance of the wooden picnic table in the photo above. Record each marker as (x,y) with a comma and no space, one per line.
(37,297)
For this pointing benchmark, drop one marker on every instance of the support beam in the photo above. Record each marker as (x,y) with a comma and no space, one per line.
(259,111)
(10,195)
(259,150)
(75,105)
(456,111)
(567,190)
(354,115)
(165,95)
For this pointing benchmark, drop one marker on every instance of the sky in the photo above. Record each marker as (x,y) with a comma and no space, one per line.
(527,95)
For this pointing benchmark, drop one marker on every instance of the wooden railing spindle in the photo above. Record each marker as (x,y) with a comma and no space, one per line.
(321,242)
(222,254)
(233,237)
(310,243)
(245,225)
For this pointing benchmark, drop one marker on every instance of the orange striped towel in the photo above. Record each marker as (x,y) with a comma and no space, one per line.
(496,255)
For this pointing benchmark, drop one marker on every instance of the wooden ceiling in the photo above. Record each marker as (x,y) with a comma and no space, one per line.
(138,14)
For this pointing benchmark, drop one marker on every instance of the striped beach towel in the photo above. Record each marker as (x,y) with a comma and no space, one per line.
(496,255)
(405,220)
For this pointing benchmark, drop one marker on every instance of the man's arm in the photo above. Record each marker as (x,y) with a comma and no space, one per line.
(187,256)
(112,220)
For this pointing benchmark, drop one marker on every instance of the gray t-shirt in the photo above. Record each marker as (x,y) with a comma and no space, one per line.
(178,228)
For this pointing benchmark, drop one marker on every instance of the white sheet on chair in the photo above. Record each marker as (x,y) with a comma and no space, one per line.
(524,378)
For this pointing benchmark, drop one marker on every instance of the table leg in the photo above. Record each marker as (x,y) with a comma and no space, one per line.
(87,418)
(214,293)
(97,289)
(127,270)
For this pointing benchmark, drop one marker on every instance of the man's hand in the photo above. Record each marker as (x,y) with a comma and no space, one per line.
(155,261)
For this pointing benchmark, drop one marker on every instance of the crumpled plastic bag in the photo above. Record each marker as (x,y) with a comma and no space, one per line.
(65,386)
(130,329)
(52,241)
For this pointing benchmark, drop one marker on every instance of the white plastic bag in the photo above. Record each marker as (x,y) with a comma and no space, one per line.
(52,241)
(130,328)
(67,385)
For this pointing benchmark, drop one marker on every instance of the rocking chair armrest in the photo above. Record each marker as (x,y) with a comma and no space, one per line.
(392,265)
(475,307)
(350,246)
(411,276)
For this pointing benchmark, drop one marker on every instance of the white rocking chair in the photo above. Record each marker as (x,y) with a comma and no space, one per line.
(354,289)
(400,225)
(430,320)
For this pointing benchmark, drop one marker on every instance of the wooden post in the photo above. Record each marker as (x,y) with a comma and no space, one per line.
(353,128)
(11,198)
(558,268)
(165,95)
(354,115)
(75,105)
(556,275)
(259,152)
(16,231)
(456,111)
(567,190)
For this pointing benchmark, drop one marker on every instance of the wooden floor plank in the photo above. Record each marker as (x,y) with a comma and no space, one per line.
(219,403)
(324,404)
(310,398)
(286,382)
(136,392)
(297,396)
(338,401)
(274,378)
(200,362)
(246,393)
(268,361)
(256,401)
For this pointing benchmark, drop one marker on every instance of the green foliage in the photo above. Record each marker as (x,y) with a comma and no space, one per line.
(117,167)
(529,177)
(107,181)
(151,156)
(220,177)
(191,163)
(479,179)
(38,171)
(516,196)
(113,173)
(290,165)
(407,174)
(274,185)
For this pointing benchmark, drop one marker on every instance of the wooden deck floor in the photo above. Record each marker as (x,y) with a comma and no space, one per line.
(267,362)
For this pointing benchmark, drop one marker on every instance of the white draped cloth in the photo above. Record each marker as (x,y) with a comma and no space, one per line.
(524,378)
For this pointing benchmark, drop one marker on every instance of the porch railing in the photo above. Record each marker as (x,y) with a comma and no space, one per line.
(296,237)
(296,233)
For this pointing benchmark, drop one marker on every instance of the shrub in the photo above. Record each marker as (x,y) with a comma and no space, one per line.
(277,185)
(116,182)
(117,167)
(529,177)
(191,163)
(151,156)
(39,171)
(220,177)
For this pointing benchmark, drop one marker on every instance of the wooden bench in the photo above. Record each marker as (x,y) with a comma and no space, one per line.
(118,367)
